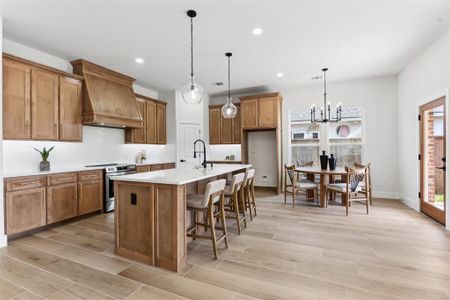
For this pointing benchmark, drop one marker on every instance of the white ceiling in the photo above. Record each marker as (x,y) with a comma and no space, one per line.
(354,39)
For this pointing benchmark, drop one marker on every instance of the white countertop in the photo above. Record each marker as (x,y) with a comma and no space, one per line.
(180,175)
(35,172)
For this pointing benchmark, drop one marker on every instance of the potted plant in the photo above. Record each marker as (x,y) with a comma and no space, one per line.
(44,165)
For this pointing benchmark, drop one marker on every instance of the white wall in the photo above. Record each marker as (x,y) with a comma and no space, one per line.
(100,145)
(378,98)
(426,78)
(2,215)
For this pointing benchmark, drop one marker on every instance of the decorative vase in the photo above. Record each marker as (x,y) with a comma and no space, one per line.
(44,165)
(323,161)
(332,162)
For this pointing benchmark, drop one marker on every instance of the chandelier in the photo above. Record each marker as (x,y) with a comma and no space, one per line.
(325,110)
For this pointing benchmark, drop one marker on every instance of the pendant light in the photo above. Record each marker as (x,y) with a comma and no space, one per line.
(229,110)
(192,92)
(325,110)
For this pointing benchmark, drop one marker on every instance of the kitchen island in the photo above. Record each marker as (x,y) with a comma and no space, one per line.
(150,212)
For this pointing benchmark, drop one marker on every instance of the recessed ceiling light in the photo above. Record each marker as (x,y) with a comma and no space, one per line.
(139,60)
(257,31)
(279,74)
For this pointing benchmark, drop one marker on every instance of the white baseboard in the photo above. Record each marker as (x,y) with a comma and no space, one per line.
(3,241)
(413,203)
(385,194)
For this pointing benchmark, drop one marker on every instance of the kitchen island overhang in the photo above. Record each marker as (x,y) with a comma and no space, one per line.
(150,212)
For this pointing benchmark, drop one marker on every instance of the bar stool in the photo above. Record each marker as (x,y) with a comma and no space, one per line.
(234,193)
(249,192)
(214,194)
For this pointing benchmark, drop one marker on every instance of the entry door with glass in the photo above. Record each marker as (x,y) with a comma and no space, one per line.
(432,158)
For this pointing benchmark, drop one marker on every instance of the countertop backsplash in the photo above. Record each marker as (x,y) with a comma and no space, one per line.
(100,145)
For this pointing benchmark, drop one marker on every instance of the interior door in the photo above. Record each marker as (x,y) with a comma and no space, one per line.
(432,157)
(188,133)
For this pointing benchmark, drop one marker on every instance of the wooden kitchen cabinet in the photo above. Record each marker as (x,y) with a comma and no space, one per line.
(142,169)
(150,122)
(70,109)
(90,196)
(214,125)
(223,130)
(16,100)
(154,128)
(39,102)
(261,111)
(44,105)
(25,210)
(62,202)
(161,122)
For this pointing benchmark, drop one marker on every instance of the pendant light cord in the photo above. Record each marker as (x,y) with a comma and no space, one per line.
(325,92)
(229,76)
(192,51)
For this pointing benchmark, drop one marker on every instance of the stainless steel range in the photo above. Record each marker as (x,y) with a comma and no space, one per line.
(110,171)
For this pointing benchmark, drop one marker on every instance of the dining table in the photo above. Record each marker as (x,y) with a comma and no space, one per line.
(326,176)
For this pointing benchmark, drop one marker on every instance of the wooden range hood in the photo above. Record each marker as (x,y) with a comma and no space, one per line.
(108,97)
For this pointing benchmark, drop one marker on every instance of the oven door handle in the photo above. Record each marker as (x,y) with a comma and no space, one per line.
(119,174)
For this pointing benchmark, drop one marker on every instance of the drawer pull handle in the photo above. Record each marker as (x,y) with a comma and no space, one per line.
(27,183)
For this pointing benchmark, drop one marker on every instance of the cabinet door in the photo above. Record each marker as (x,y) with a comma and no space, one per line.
(141,169)
(44,105)
(70,109)
(139,135)
(214,125)
(25,210)
(226,130)
(161,123)
(62,202)
(267,112)
(16,100)
(237,127)
(156,167)
(151,122)
(249,113)
(90,196)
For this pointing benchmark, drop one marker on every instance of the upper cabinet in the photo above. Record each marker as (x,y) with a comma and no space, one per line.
(39,102)
(261,111)
(222,130)
(153,113)
(16,100)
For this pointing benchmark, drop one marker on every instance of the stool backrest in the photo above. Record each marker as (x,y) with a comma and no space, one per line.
(249,174)
(215,189)
(237,181)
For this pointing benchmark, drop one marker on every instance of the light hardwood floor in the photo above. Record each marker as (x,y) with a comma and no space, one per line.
(302,253)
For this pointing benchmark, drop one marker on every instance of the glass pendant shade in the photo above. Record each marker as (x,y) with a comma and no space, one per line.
(192,92)
(229,110)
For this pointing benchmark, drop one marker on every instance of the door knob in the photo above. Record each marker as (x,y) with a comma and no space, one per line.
(182,160)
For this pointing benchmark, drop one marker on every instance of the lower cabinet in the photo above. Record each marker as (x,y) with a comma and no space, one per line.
(90,197)
(25,210)
(35,201)
(62,202)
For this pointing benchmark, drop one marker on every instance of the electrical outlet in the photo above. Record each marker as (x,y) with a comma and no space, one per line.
(264,178)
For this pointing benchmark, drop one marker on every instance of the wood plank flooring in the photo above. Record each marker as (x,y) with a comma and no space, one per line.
(302,253)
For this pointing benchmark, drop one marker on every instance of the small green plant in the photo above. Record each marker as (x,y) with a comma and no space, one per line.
(44,152)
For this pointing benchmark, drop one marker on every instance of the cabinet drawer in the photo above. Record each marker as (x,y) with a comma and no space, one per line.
(169,166)
(23,183)
(156,167)
(61,178)
(90,175)
(141,169)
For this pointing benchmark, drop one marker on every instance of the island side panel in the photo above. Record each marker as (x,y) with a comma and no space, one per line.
(134,221)
(170,227)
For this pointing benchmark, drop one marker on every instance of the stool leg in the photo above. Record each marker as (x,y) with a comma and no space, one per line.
(195,225)
(241,198)
(213,229)
(248,201)
(236,211)
(252,188)
(222,217)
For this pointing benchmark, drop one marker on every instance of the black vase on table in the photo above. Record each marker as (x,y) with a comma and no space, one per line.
(332,162)
(324,161)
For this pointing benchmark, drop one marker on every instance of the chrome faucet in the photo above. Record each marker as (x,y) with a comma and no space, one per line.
(204,152)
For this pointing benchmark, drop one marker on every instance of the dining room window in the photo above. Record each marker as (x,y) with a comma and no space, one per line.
(344,139)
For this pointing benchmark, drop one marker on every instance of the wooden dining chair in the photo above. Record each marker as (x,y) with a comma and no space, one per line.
(351,190)
(296,186)
(369,179)
(303,164)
